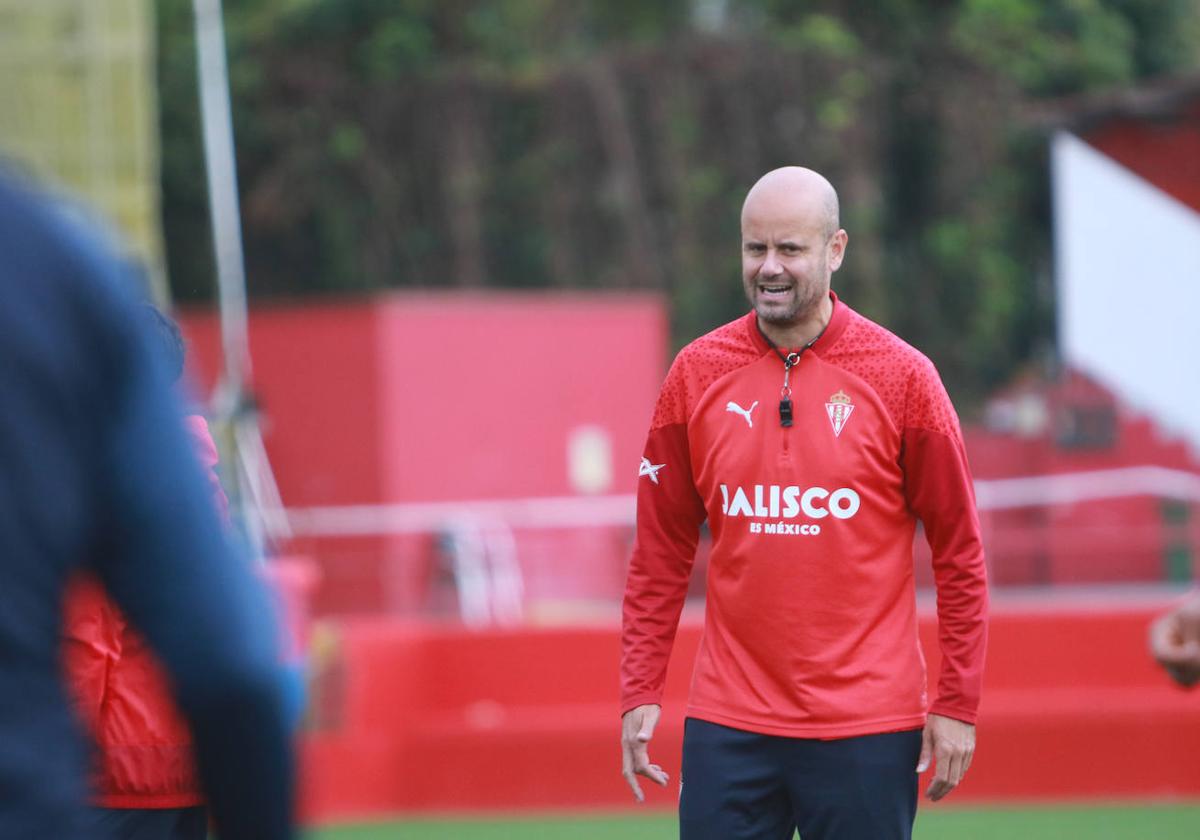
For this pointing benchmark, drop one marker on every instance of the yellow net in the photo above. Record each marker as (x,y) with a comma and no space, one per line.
(78,108)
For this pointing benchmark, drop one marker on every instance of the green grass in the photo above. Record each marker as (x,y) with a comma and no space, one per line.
(1099,822)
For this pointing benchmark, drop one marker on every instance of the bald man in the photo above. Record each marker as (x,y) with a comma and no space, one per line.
(812,440)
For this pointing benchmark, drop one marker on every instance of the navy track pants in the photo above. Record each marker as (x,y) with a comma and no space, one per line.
(738,785)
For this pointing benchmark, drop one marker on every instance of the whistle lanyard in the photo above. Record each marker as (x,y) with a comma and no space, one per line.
(789,360)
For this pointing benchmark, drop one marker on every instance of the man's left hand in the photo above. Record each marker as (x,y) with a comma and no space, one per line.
(952,744)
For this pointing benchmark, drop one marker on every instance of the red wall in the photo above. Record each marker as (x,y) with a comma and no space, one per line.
(481,392)
(315,376)
(422,718)
(441,397)
(426,397)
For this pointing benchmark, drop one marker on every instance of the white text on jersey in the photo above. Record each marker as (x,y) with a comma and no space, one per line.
(789,502)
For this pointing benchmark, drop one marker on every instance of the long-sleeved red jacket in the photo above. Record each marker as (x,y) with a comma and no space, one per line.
(143,747)
(810,626)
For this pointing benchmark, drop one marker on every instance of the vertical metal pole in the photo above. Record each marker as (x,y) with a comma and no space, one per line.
(217,120)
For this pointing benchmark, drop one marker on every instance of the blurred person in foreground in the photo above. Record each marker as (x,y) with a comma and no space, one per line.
(96,473)
(1175,641)
(812,440)
(144,783)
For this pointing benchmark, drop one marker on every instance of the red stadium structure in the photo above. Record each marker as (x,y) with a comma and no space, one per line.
(459,469)
(1116,531)
(406,429)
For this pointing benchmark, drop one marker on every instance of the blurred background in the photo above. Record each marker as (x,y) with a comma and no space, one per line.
(432,286)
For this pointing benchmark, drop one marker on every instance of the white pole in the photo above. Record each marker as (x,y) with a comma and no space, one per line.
(234,416)
(217,120)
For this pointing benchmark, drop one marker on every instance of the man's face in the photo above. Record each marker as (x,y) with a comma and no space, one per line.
(786,265)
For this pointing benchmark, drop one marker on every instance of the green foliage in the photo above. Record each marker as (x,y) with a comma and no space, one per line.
(544,143)
(185,199)
(1050,47)
(821,34)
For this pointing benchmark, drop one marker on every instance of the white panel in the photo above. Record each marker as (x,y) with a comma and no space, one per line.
(1128,277)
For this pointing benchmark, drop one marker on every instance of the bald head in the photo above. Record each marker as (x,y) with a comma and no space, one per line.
(797,192)
(791,245)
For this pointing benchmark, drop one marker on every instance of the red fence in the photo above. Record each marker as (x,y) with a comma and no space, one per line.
(415,717)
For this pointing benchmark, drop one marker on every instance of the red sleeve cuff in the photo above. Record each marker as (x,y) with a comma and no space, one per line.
(955,712)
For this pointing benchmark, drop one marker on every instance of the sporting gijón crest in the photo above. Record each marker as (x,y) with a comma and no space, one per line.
(839,409)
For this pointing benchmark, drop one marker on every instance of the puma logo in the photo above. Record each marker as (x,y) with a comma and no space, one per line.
(745,412)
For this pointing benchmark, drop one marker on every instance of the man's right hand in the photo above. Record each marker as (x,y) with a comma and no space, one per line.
(637,728)
(1175,641)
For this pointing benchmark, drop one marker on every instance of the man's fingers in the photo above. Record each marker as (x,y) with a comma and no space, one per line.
(639,765)
(1186,654)
(655,774)
(642,767)
(952,766)
(627,773)
(1185,675)
(937,789)
(942,783)
(1162,635)
(632,781)
(926,751)
(1189,653)
(632,765)
(1182,663)
(637,728)
(958,769)
(1169,645)
(945,757)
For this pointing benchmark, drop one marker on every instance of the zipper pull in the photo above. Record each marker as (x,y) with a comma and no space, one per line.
(785,393)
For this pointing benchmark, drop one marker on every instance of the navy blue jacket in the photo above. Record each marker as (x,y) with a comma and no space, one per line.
(95,471)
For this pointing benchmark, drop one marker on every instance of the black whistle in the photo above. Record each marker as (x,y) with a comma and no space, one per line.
(785,413)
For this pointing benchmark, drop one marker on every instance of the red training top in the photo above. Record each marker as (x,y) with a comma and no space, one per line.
(810,627)
(143,746)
